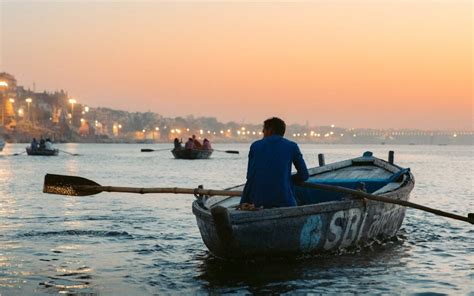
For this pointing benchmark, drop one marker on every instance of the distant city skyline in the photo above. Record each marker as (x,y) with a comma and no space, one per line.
(387,64)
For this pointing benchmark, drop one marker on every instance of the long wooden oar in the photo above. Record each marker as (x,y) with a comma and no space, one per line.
(469,218)
(19,153)
(228,151)
(78,186)
(153,150)
(73,154)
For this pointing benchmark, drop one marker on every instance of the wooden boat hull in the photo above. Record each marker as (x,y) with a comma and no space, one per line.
(42,152)
(308,229)
(191,153)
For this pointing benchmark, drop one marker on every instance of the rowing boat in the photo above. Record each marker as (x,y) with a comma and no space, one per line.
(322,222)
(42,152)
(192,153)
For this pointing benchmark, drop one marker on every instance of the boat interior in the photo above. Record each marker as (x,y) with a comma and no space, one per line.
(368,178)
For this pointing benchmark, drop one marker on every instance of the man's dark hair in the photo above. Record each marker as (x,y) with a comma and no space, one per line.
(276,125)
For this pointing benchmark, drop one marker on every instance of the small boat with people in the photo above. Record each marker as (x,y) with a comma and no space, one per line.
(193,149)
(43,148)
(324,220)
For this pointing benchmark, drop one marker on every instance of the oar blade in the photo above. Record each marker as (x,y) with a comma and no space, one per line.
(232,151)
(69,185)
(147,150)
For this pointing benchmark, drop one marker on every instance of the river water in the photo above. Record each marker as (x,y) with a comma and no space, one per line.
(130,244)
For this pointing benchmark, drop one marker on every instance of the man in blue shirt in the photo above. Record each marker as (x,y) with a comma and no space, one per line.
(269,179)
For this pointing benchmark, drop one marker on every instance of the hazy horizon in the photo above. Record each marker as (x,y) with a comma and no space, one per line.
(391,64)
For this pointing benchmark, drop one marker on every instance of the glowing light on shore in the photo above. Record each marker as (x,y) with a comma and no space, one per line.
(3,84)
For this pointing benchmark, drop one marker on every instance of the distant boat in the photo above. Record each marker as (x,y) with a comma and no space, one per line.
(42,152)
(323,221)
(191,153)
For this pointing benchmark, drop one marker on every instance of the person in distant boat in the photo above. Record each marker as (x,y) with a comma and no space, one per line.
(177,144)
(34,144)
(269,180)
(197,144)
(206,145)
(48,145)
(189,144)
(42,144)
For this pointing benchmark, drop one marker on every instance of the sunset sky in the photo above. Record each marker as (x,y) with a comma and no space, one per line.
(380,64)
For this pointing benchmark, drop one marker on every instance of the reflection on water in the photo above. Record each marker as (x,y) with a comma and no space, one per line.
(126,244)
(330,272)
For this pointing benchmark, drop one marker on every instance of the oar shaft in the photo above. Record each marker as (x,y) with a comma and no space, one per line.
(386,200)
(175,190)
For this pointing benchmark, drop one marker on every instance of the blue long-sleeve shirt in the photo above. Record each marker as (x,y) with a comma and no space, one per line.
(269,180)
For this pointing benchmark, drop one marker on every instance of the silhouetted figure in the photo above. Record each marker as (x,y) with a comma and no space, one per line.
(197,144)
(206,145)
(48,145)
(42,144)
(34,144)
(189,144)
(177,144)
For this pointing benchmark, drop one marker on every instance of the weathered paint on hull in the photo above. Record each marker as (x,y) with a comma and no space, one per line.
(191,154)
(301,230)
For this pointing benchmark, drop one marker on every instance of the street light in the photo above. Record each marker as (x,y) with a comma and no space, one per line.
(29,100)
(72,102)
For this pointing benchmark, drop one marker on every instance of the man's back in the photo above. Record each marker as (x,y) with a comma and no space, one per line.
(269,172)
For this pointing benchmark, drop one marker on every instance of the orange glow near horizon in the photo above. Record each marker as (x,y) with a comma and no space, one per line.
(400,64)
